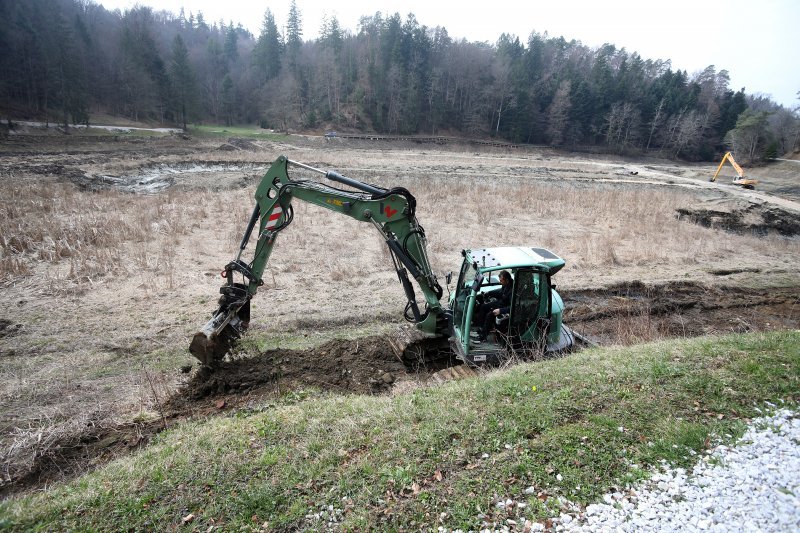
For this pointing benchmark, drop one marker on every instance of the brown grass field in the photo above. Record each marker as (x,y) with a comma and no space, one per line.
(110,252)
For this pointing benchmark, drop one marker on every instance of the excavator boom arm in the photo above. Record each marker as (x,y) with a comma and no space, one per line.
(390,211)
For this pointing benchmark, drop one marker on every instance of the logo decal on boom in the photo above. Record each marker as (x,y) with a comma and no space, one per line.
(389,211)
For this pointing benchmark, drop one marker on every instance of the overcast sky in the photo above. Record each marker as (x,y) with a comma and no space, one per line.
(757,41)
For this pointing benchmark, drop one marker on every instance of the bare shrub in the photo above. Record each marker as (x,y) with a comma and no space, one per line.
(637,327)
(12,267)
(28,449)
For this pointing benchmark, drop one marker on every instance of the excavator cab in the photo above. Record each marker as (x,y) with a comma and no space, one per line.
(534,322)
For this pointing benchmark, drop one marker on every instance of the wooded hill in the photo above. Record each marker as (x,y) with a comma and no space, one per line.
(65,60)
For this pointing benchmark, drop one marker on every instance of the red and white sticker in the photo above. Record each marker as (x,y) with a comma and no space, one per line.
(274,215)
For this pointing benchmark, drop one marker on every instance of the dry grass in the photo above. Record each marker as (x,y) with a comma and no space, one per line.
(93,234)
(46,436)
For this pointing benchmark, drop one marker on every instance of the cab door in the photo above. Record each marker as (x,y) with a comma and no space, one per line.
(463,303)
(530,308)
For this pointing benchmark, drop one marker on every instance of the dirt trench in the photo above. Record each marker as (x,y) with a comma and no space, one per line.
(628,313)
(631,313)
(362,366)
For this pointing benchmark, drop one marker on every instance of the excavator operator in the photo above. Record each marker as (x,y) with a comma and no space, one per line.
(498,303)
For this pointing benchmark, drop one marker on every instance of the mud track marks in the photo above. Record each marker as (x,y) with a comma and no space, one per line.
(634,312)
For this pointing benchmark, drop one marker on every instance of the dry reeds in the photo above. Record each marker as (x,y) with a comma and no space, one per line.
(93,233)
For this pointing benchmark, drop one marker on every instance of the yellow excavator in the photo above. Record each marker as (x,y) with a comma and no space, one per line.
(740,180)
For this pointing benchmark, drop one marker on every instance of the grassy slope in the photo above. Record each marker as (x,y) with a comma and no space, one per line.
(398,462)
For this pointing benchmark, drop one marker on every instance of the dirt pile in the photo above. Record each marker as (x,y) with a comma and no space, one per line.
(757,219)
(238,143)
(360,366)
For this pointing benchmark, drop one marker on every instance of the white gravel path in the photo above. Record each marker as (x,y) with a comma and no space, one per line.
(751,486)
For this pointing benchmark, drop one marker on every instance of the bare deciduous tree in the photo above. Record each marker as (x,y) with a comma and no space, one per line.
(558,114)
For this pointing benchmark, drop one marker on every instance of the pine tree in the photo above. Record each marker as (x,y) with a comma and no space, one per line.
(183,80)
(70,76)
(294,33)
(231,45)
(267,53)
(228,100)
(331,34)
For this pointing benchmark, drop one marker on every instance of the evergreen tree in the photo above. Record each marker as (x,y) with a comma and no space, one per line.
(268,49)
(183,80)
(231,45)
(228,100)
(731,108)
(294,33)
(331,34)
(143,77)
(63,57)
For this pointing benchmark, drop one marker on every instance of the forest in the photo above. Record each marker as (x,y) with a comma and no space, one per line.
(64,61)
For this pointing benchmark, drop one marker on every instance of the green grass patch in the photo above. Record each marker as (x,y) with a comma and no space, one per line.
(575,427)
(212,130)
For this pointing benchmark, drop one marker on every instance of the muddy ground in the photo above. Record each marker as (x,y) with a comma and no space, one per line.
(93,331)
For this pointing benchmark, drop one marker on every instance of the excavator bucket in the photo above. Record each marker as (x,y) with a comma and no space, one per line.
(229,322)
(416,348)
(210,348)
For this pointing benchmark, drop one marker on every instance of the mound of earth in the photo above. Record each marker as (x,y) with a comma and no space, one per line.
(238,143)
(634,312)
(366,365)
(754,218)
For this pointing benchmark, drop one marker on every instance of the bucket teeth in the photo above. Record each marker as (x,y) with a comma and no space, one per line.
(227,325)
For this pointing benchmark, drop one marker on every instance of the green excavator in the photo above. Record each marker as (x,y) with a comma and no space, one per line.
(531,321)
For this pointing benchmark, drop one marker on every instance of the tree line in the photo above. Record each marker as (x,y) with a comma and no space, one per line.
(65,60)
